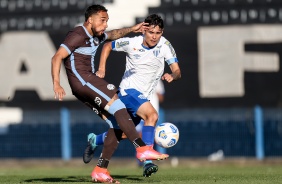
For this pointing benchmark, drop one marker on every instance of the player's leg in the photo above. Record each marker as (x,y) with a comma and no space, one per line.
(148,169)
(93,141)
(139,130)
(143,152)
(140,107)
(100,172)
(96,140)
(91,138)
(150,117)
(106,99)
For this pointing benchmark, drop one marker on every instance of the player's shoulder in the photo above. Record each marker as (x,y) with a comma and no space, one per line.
(78,30)
(164,41)
(130,40)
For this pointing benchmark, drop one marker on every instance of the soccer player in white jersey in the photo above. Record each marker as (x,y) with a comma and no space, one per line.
(146,56)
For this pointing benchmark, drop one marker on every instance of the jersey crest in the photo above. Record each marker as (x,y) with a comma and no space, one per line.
(156,52)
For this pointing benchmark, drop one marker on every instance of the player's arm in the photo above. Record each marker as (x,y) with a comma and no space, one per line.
(118,33)
(175,75)
(107,47)
(55,72)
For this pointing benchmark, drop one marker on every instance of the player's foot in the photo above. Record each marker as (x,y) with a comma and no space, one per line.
(148,153)
(149,169)
(90,148)
(102,175)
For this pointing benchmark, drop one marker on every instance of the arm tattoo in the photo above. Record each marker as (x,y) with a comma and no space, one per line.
(118,33)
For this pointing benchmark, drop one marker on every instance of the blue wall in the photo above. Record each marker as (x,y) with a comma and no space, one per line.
(202,132)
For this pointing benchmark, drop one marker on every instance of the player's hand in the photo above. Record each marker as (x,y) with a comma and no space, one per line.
(59,92)
(100,73)
(167,77)
(140,27)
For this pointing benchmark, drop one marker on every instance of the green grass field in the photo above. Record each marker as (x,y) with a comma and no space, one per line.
(189,171)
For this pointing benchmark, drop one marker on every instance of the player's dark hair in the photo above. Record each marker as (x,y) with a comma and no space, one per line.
(93,9)
(155,20)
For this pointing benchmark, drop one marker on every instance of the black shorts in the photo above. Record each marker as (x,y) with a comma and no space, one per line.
(96,93)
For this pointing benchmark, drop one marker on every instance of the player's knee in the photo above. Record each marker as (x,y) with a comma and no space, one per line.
(152,119)
(119,134)
(116,106)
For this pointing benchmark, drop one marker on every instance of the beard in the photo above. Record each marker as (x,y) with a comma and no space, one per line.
(97,33)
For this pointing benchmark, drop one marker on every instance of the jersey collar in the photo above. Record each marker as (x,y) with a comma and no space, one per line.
(148,48)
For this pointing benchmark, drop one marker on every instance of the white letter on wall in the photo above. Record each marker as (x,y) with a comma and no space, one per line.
(223,61)
(36,50)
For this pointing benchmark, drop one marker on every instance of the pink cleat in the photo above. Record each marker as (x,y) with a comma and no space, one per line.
(148,153)
(102,175)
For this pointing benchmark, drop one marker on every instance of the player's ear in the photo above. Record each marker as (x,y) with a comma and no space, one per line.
(90,20)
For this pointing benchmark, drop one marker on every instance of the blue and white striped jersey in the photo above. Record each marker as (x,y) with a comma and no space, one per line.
(144,66)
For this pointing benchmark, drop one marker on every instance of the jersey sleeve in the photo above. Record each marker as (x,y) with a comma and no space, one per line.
(72,41)
(170,55)
(121,44)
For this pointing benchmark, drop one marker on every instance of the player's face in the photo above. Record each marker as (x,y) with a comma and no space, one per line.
(152,36)
(99,23)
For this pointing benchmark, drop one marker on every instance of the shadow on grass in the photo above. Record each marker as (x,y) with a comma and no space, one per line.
(79,179)
(64,179)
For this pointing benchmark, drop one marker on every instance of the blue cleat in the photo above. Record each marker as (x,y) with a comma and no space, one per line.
(149,169)
(90,148)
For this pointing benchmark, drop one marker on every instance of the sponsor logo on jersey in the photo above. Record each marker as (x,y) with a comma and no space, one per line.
(141,96)
(95,110)
(121,44)
(139,50)
(111,87)
(96,41)
(171,48)
(98,101)
(137,56)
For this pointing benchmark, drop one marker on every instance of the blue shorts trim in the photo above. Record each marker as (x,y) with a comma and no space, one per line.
(132,100)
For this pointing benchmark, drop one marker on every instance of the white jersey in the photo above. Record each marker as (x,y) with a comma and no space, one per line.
(144,66)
